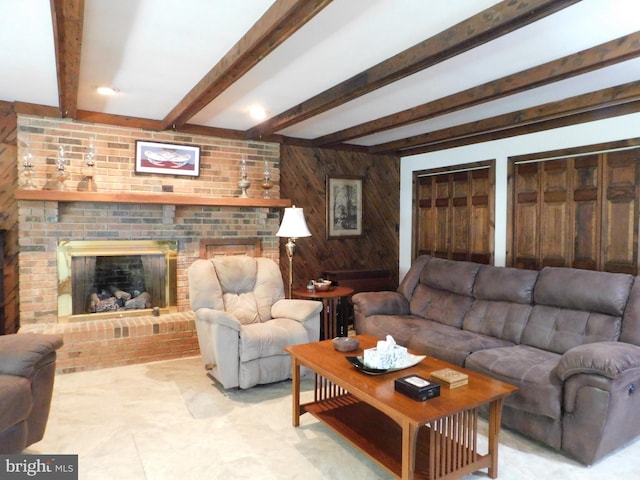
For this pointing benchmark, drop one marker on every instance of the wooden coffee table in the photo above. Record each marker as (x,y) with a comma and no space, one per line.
(436,439)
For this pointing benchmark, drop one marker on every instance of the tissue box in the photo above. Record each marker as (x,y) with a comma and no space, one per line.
(394,358)
(417,387)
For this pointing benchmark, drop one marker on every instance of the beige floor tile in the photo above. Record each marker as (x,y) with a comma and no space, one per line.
(168,420)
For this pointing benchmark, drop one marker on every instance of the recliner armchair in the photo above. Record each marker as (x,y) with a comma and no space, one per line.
(27,372)
(243,320)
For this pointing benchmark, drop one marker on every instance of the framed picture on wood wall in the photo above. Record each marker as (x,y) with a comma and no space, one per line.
(344,207)
(167,158)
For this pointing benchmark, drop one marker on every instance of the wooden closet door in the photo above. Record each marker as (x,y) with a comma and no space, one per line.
(620,211)
(587,207)
(579,212)
(453,214)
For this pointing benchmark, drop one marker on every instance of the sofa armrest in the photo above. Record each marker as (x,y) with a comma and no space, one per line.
(608,359)
(20,354)
(380,303)
(218,317)
(295,309)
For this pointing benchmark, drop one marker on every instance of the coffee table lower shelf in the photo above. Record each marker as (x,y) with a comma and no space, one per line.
(445,449)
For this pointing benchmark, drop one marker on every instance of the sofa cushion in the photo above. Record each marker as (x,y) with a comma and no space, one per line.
(503,302)
(430,338)
(530,369)
(439,305)
(586,290)
(258,340)
(503,320)
(575,307)
(559,329)
(412,278)
(450,275)
(15,394)
(505,284)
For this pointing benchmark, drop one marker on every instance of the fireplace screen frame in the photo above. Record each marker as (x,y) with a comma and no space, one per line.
(67,250)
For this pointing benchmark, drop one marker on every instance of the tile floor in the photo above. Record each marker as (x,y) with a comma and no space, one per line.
(168,420)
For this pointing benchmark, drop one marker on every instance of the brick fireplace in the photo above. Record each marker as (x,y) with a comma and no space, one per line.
(127,338)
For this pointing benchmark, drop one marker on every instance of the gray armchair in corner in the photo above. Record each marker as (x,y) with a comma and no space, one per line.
(243,320)
(27,371)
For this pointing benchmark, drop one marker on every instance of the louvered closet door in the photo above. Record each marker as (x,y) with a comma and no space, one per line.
(577,212)
(453,213)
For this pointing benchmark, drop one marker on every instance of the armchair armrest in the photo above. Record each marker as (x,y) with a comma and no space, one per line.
(295,309)
(218,317)
(20,354)
(608,359)
(380,303)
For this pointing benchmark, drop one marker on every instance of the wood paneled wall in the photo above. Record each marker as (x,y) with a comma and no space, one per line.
(8,220)
(303,174)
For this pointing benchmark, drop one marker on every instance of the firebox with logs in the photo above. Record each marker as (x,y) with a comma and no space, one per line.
(114,299)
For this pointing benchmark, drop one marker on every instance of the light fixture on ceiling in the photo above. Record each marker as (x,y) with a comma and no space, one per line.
(107,90)
(257,112)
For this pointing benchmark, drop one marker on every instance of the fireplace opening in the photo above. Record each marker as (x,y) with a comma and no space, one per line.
(115,277)
(112,283)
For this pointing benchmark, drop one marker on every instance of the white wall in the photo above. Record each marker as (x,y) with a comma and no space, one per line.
(612,129)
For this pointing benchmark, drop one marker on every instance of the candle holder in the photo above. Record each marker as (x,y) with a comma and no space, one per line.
(61,174)
(88,183)
(243,183)
(27,173)
(266,184)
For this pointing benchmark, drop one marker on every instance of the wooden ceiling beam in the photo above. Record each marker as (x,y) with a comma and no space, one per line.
(483,27)
(282,20)
(589,102)
(574,119)
(606,54)
(68,21)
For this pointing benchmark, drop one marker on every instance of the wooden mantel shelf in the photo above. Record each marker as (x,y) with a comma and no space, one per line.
(156,198)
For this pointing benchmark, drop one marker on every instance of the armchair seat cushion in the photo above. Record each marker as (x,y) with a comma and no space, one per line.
(15,393)
(267,339)
(531,369)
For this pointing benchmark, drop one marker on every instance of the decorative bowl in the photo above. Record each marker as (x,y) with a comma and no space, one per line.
(322,285)
(346,344)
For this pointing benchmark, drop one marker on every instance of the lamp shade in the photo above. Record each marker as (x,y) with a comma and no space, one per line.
(293,224)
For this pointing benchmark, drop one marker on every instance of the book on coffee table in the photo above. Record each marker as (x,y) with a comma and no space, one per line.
(450,377)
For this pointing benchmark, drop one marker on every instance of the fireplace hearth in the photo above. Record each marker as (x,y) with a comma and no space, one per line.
(108,278)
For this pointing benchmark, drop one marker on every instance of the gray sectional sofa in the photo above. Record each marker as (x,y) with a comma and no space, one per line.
(568,338)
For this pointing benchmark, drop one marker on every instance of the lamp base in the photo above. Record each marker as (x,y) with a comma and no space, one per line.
(291,248)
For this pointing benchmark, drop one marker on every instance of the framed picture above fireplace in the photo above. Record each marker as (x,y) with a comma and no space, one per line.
(167,158)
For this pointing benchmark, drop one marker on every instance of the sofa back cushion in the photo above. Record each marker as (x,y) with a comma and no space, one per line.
(412,279)
(503,298)
(444,291)
(575,307)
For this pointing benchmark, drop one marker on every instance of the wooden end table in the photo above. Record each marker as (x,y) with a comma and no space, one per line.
(330,301)
(436,439)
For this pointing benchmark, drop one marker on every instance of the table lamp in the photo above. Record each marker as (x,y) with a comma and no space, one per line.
(293,226)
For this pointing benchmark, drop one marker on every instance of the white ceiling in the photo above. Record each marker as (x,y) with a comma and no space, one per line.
(155,51)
